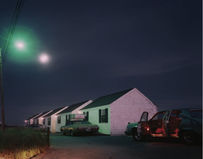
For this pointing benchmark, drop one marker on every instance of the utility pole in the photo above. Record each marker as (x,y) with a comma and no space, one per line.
(11,31)
(2,94)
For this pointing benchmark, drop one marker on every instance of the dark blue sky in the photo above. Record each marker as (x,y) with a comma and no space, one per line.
(100,47)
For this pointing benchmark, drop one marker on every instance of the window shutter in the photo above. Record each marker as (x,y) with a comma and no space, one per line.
(99,115)
(106,115)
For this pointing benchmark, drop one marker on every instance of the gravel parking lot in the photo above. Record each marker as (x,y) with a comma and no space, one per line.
(116,147)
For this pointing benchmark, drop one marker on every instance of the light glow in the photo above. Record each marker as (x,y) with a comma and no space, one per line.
(44,58)
(20,45)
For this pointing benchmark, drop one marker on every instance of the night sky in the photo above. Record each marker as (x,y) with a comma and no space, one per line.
(103,46)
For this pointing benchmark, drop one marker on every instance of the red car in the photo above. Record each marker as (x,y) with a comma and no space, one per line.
(185,124)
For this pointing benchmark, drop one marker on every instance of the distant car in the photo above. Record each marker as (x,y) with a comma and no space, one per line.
(184,124)
(130,127)
(79,128)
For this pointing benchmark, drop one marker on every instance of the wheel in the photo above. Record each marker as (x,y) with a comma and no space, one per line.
(187,137)
(136,136)
(64,133)
(71,133)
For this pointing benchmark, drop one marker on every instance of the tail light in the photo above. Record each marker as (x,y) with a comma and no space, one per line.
(147,128)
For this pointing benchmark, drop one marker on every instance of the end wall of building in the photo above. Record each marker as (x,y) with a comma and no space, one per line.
(129,108)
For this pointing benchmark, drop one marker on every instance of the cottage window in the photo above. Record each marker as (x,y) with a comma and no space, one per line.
(67,119)
(43,121)
(59,119)
(103,115)
(86,115)
(49,121)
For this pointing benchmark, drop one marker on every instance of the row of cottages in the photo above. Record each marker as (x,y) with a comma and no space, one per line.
(111,112)
(30,120)
(56,118)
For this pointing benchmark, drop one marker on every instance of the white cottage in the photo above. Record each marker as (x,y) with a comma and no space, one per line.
(50,119)
(113,112)
(73,110)
(39,120)
(30,121)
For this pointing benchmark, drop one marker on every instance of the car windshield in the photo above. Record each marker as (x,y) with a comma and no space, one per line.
(196,113)
(85,122)
(78,122)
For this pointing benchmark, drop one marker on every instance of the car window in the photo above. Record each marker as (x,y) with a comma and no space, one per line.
(144,116)
(196,113)
(85,122)
(158,116)
(77,122)
(175,113)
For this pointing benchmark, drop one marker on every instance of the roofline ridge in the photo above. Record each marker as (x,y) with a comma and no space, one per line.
(122,95)
(144,96)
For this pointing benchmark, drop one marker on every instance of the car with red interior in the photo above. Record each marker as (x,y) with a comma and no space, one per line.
(184,124)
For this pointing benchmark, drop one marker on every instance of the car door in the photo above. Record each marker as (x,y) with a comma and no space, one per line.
(143,124)
(173,123)
(156,124)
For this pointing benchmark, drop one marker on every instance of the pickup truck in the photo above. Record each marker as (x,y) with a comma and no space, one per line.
(184,124)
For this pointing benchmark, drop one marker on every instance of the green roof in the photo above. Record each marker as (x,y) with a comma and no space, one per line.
(105,100)
(72,107)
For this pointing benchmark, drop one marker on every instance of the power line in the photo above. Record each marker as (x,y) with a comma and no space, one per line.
(11,31)
(12,26)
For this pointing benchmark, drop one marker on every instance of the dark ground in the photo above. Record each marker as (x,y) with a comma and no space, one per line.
(117,147)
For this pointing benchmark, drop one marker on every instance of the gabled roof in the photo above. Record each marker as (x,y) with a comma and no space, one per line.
(72,107)
(40,115)
(32,116)
(105,100)
(53,112)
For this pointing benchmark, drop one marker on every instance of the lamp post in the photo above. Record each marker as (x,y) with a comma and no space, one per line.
(20,45)
(11,31)
(2,94)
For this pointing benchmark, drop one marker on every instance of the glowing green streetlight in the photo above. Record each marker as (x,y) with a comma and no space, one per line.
(20,45)
(23,46)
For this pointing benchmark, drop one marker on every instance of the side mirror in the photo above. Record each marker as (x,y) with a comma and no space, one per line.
(144,116)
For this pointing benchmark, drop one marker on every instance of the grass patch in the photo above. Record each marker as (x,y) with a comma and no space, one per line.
(23,142)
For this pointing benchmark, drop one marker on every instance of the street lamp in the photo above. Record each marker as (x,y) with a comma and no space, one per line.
(19,45)
(2,94)
(7,42)
(44,58)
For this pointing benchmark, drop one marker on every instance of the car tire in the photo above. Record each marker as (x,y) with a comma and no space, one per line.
(71,133)
(135,135)
(187,137)
(64,133)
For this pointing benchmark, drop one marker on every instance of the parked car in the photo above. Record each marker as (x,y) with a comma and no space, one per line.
(78,128)
(129,128)
(184,124)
